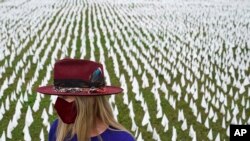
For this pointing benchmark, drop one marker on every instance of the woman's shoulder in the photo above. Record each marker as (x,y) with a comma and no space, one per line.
(52,131)
(120,135)
(54,124)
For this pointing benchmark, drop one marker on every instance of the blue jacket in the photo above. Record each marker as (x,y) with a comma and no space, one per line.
(107,135)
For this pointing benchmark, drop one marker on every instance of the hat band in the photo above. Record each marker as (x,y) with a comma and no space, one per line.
(75,90)
(77,83)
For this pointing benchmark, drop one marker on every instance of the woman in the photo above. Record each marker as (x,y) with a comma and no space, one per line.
(82,106)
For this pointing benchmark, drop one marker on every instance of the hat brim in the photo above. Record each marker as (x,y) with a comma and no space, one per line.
(107,90)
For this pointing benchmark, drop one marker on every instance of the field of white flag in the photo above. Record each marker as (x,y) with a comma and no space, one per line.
(184,65)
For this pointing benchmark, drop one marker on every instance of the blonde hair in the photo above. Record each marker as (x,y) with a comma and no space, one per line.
(88,109)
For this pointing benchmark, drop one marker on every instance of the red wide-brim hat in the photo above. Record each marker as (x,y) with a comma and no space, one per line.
(76,77)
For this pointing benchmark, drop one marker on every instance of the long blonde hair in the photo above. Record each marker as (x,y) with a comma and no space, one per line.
(88,109)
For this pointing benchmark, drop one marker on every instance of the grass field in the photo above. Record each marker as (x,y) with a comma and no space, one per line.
(184,65)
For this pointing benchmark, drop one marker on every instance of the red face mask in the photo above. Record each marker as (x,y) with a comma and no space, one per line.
(66,110)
